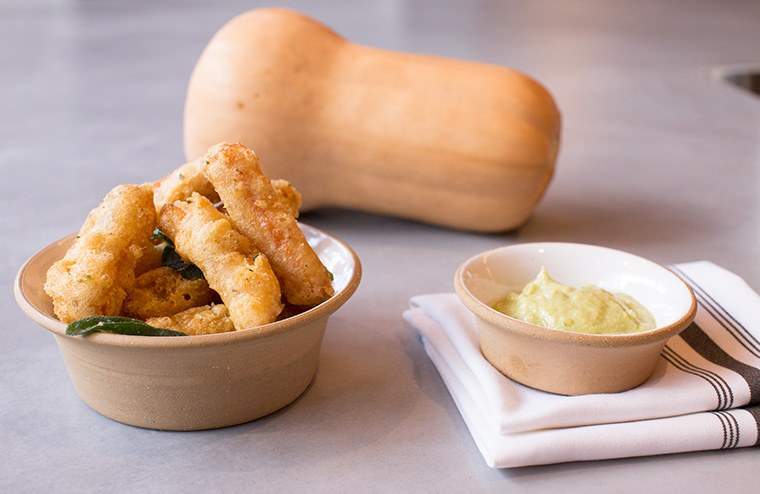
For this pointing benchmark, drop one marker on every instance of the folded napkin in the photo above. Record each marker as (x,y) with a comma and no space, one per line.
(702,395)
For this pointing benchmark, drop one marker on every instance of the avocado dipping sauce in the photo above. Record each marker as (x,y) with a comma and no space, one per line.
(587,309)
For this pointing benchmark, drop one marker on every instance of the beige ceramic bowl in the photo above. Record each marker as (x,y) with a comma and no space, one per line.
(195,382)
(564,362)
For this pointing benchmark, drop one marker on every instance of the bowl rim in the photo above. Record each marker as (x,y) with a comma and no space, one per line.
(322,310)
(488,314)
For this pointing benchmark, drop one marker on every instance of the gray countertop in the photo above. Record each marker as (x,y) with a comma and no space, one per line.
(658,158)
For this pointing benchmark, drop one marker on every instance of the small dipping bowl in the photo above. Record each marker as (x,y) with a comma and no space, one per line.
(193,382)
(565,362)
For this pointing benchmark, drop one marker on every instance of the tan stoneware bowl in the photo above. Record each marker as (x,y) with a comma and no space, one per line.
(564,362)
(193,382)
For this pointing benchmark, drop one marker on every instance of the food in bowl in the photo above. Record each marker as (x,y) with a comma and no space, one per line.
(198,382)
(231,254)
(568,362)
(586,309)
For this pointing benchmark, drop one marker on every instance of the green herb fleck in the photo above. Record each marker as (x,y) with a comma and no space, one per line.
(159,236)
(329,273)
(116,325)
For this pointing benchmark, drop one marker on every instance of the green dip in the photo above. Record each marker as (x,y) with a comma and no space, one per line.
(588,309)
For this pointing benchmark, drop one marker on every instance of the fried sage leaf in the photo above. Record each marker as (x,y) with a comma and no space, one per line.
(116,325)
(170,257)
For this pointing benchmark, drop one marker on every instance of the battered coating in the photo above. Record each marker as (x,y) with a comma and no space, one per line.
(98,270)
(150,258)
(289,195)
(164,292)
(256,210)
(208,319)
(189,178)
(181,183)
(232,266)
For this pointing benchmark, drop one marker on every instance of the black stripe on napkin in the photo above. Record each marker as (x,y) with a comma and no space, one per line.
(723,426)
(740,333)
(712,379)
(736,426)
(733,429)
(720,314)
(702,344)
(755,412)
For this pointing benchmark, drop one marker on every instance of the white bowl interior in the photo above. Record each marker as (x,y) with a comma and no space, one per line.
(333,254)
(491,275)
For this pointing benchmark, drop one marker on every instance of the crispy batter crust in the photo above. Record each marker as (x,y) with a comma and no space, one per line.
(164,292)
(232,266)
(189,178)
(181,183)
(207,319)
(97,271)
(150,258)
(289,195)
(257,211)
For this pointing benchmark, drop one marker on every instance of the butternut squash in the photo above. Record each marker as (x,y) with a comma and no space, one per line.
(454,143)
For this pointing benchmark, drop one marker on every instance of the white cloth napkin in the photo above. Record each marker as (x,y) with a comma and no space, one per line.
(703,394)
